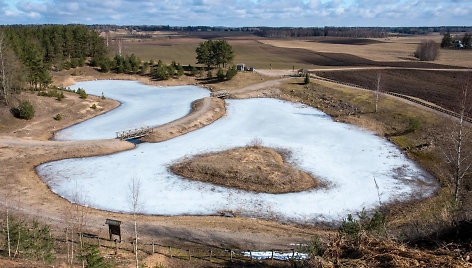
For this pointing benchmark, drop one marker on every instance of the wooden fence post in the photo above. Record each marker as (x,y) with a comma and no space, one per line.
(116,248)
(153,247)
(231,255)
(189,256)
(98,241)
(250,255)
(293,253)
(211,253)
(272,257)
(170,252)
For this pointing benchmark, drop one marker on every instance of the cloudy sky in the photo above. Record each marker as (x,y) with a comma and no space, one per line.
(239,12)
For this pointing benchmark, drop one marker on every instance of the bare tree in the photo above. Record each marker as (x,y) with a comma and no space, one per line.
(2,70)
(458,157)
(427,51)
(377,91)
(135,205)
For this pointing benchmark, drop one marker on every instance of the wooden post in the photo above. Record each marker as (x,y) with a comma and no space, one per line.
(132,244)
(272,257)
(211,253)
(153,247)
(98,241)
(293,253)
(231,255)
(189,257)
(116,248)
(250,255)
(170,252)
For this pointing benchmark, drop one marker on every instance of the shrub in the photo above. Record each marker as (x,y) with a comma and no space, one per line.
(82,93)
(193,70)
(231,72)
(60,96)
(350,227)
(103,96)
(58,117)
(307,79)
(313,248)
(91,255)
(93,106)
(24,111)
(220,75)
(427,51)
(209,74)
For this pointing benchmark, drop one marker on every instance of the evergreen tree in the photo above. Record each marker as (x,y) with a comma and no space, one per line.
(446,41)
(220,75)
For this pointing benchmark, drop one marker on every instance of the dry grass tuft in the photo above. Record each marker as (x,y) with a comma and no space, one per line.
(252,168)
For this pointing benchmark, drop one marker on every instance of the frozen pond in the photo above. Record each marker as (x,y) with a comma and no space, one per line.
(141,105)
(345,156)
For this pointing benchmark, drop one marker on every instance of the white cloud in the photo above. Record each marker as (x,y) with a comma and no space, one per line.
(255,13)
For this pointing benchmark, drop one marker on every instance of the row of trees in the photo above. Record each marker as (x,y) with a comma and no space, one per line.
(27,53)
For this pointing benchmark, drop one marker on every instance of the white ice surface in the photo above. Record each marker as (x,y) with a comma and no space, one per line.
(345,156)
(260,255)
(141,106)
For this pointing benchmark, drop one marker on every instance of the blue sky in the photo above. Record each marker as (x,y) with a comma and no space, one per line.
(304,13)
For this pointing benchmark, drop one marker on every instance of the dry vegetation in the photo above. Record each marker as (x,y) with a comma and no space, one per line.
(254,168)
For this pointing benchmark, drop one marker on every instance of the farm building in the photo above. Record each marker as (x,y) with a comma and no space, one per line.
(241,67)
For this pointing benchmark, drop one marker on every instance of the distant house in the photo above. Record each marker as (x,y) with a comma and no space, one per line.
(241,67)
(458,44)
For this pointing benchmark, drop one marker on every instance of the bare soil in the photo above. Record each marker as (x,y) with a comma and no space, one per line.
(254,168)
(439,87)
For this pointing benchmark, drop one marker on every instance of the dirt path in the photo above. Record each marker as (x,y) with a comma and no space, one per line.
(279,73)
(264,89)
(204,112)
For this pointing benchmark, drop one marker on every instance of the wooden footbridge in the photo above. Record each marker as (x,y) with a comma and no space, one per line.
(133,133)
(222,94)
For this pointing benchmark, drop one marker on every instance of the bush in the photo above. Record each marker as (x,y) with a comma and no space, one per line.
(91,255)
(82,93)
(58,117)
(60,96)
(209,74)
(220,75)
(427,51)
(350,227)
(231,72)
(93,106)
(307,79)
(24,111)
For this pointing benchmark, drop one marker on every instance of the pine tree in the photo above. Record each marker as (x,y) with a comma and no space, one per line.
(446,41)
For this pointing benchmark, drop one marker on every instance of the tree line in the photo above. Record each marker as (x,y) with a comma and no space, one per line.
(28,53)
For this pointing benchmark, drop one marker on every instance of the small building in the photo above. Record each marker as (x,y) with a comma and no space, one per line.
(458,44)
(113,228)
(241,67)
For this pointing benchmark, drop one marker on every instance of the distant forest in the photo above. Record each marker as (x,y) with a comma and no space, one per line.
(291,32)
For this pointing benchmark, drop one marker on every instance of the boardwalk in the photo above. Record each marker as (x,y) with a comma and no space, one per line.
(133,133)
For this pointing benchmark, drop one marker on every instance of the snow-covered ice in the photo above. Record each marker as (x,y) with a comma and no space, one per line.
(344,156)
(141,106)
(260,255)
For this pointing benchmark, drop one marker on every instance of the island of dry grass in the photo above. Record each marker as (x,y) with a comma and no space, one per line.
(252,168)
